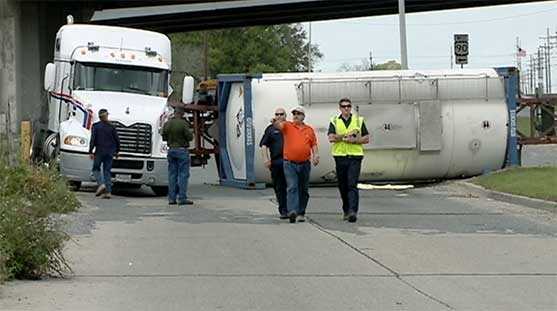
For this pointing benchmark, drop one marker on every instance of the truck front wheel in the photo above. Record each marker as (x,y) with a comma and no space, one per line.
(160,191)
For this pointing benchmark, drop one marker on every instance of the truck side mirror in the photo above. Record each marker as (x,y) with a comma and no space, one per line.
(187,90)
(49,73)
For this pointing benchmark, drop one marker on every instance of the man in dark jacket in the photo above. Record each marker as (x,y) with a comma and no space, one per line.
(106,145)
(177,134)
(271,143)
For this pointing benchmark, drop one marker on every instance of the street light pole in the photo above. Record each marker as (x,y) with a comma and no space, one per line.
(402,26)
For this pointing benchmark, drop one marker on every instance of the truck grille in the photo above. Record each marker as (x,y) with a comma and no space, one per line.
(128,164)
(135,138)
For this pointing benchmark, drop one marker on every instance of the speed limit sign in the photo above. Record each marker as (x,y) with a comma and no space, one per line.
(461,48)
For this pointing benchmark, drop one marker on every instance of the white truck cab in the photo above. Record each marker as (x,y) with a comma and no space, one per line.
(125,71)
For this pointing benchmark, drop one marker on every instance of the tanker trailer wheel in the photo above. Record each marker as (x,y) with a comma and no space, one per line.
(160,191)
(74,185)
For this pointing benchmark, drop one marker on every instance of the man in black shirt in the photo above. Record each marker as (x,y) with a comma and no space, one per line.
(106,144)
(271,142)
(348,134)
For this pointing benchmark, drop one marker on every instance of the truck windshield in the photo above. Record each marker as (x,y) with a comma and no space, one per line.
(117,78)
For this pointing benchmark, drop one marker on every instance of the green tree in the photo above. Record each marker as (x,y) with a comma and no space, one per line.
(364,66)
(260,49)
(390,65)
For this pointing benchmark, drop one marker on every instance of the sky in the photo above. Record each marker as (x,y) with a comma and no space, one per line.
(492,36)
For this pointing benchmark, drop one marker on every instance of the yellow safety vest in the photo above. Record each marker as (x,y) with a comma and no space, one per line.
(341,148)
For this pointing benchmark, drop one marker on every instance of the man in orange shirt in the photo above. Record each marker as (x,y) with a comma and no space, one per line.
(300,146)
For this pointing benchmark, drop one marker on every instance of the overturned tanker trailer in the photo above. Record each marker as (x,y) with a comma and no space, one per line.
(423,124)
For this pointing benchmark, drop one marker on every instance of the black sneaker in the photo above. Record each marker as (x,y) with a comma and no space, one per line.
(352,218)
(185,202)
(292,217)
(172,203)
(284,217)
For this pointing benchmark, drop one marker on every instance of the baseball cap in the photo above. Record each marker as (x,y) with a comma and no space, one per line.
(103,112)
(299,109)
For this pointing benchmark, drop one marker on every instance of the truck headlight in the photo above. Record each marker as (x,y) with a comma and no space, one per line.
(164,148)
(75,141)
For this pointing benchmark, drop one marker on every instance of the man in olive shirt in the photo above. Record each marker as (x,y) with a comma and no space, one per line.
(177,135)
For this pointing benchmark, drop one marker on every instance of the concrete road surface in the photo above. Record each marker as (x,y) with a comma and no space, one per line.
(428,248)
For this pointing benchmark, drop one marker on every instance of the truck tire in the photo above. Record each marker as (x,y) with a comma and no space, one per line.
(74,185)
(160,191)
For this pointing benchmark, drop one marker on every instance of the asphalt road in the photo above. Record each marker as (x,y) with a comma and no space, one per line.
(427,248)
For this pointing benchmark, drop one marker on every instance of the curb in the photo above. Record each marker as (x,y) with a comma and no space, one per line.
(508,198)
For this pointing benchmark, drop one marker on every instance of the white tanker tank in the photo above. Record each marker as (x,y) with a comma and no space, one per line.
(423,124)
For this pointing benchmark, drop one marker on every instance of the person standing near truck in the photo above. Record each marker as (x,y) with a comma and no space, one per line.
(103,147)
(177,134)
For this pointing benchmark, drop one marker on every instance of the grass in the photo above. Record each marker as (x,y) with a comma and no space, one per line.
(534,182)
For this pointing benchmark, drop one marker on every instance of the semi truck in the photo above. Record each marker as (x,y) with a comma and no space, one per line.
(125,71)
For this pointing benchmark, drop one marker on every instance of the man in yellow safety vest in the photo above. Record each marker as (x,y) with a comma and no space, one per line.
(348,133)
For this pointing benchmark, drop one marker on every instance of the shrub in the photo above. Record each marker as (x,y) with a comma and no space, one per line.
(32,237)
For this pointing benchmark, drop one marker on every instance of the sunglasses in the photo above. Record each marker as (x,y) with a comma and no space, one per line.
(296,113)
(279,114)
(346,106)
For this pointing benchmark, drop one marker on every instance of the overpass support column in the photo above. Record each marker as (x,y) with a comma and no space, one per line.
(9,24)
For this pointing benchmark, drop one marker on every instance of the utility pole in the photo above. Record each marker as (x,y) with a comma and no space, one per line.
(547,49)
(540,73)
(309,48)
(402,26)
(370,60)
(532,74)
(518,63)
(548,62)
(206,55)
(527,82)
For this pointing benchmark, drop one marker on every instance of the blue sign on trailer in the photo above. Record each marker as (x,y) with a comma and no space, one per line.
(510,74)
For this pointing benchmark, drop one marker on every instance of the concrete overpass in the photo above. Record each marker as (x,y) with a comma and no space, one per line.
(28,28)
(222,14)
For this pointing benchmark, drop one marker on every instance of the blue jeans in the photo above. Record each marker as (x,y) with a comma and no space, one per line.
(297,185)
(105,177)
(178,174)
